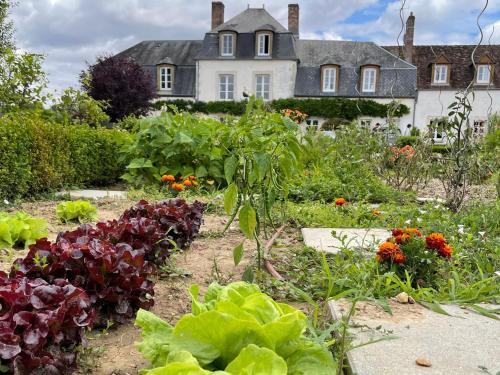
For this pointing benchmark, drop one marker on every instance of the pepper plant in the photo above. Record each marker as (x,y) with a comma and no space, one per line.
(265,155)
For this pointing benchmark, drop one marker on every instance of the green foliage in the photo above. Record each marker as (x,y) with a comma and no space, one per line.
(406,140)
(177,144)
(20,229)
(77,107)
(265,155)
(81,211)
(38,155)
(22,80)
(236,330)
(341,167)
(347,109)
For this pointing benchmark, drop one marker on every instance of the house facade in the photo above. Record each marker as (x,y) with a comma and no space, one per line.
(444,70)
(253,54)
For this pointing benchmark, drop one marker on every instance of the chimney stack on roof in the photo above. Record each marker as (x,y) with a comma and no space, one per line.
(293,19)
(408,38)
(217,14)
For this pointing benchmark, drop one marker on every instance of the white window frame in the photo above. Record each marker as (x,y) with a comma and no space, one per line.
(437,130)
(485,69)
(262,92)
(329,79)
(369,85)
(224,84)
(440,74)
(261,44)
(166,78)
(227,44)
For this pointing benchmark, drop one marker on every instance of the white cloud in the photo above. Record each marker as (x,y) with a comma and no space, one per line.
(71,32)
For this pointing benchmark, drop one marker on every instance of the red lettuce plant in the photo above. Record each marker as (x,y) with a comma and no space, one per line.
(116,277)
(41,324)
(156,227)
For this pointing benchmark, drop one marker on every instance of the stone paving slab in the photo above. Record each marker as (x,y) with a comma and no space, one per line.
(94,194)
(322,239)
(459,344)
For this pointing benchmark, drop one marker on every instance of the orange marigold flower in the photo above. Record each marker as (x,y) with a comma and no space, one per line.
(192,178)
(413,232)
(388,250)
(402,238)
(178,187)
(188,183)
(167,178)
(445,251)
(399,258)
(435,241)
(376,213)
(397,232)
(340,201)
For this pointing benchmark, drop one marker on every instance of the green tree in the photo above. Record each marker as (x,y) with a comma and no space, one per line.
(78,107)
(6,26)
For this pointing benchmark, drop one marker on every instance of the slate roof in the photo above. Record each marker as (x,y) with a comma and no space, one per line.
(153,52)
(283,47)
(397,77)
(462,69)
(180,53)
(251,20)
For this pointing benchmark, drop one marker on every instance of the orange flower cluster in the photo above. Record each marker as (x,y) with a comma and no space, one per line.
(403,235)
(182,184)
(436,241)
(390,251)
(294,115)
(340,201)
(408,152)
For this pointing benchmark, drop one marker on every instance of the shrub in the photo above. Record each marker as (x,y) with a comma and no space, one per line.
(178,145)
(236,328)
(42,324)
(38,155)
(81,211)
(342,108)
(408,140)
(122,83)
(20,229)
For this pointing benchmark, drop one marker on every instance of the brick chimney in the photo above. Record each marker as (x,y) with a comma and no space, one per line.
(408,38)
(293,19)
(217,13)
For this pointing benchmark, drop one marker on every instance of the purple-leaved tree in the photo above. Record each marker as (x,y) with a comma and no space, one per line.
(122,83)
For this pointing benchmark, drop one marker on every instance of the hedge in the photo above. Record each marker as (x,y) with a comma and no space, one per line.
(37,155)
(344,108)
(406,140)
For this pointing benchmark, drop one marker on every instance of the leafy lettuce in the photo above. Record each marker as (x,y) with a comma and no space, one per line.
(20,229)
(237,329)
(80,211)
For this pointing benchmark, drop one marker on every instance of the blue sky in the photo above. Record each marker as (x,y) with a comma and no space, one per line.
(71,32)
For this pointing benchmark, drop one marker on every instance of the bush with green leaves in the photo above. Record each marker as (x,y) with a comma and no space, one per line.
(39,155)
(178,144)
(331,108)
(20,229)
(80,211)
(236,330)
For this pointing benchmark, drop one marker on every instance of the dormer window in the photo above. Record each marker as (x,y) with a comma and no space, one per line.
(441,71)
(227,44)
(440,74)
(483,76)
(165,77)
(369,77)
(329,78)
(264,43)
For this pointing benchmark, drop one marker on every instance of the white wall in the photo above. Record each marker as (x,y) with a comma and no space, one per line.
(433,103)
(283,73)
